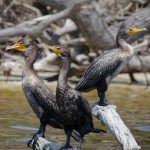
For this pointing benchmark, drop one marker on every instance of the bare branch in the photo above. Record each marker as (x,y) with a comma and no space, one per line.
(36,26)
(14,2)
(75,42)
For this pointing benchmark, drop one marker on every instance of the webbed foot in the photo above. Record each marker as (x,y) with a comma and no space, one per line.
(29,144)
(33,141)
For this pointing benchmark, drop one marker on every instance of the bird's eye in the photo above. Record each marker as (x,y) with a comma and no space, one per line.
(20,42)
(130,29)
(58,48)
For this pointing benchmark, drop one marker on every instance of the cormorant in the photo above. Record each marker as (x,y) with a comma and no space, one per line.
(74,109)
(40,98)
(104,68)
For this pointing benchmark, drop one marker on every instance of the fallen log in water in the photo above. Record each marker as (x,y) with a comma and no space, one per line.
(43,144)
(109,117)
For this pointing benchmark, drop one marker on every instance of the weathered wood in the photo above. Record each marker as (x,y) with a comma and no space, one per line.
(93,26)
(43,144)
(35,26)
(110,118)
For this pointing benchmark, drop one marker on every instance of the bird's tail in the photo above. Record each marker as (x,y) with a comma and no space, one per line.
(77,137)
(94,130)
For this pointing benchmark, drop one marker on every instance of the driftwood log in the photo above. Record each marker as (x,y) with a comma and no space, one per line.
(110,118)
(92,23)
(35,27)
(93,26)
(43,144)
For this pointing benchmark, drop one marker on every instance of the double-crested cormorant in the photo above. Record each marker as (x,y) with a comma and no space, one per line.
(104,68)
(37,93)
(74,109)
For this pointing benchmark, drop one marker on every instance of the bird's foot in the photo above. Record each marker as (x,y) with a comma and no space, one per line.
(103,103)
(134,81)
(33,141)
(65,147)
(30,142)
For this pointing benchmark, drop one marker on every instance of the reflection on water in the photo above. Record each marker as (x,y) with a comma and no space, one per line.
(143,128)
(18,123)
(24,127)
(24,140)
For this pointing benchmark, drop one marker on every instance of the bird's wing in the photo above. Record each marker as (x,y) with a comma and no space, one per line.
(84,106)
(101,67)
(33,102)
(45,98)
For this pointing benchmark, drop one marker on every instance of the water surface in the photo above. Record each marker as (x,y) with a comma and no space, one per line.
(18,123)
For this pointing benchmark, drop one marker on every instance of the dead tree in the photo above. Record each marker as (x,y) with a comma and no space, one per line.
(93,25)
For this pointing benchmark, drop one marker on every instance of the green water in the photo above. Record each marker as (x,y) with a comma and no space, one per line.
(18,123)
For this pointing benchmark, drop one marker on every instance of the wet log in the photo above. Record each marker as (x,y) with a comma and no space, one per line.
(109,117)
(43,144)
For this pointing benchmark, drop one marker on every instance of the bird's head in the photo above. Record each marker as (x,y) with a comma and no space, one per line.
(134,31)
(61,51)
(24,47)
(126,33)
(18,46)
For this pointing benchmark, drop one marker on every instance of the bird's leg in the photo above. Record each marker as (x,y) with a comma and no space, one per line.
(101,89)
(132,78)
(66,146)
(103,100)
(39,133)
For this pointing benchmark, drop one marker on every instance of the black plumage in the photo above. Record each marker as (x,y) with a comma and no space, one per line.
(40,98)
(107,66)
(74,109)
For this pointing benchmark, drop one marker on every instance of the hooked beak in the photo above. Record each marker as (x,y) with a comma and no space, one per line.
(54,49)
(134,31)
(18,46)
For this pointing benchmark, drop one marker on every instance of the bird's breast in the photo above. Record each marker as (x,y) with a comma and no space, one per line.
(30,80)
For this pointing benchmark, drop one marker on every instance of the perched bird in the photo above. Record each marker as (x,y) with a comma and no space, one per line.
(107,66)
(40,98)
(74,109)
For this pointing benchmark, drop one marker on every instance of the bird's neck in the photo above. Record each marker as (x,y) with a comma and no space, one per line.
(124,46)
(30,60)
(28,69)
(121,42)
(64,71)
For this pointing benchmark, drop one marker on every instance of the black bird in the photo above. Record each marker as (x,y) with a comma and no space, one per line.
(106,67)
(74,109)
(40,98)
